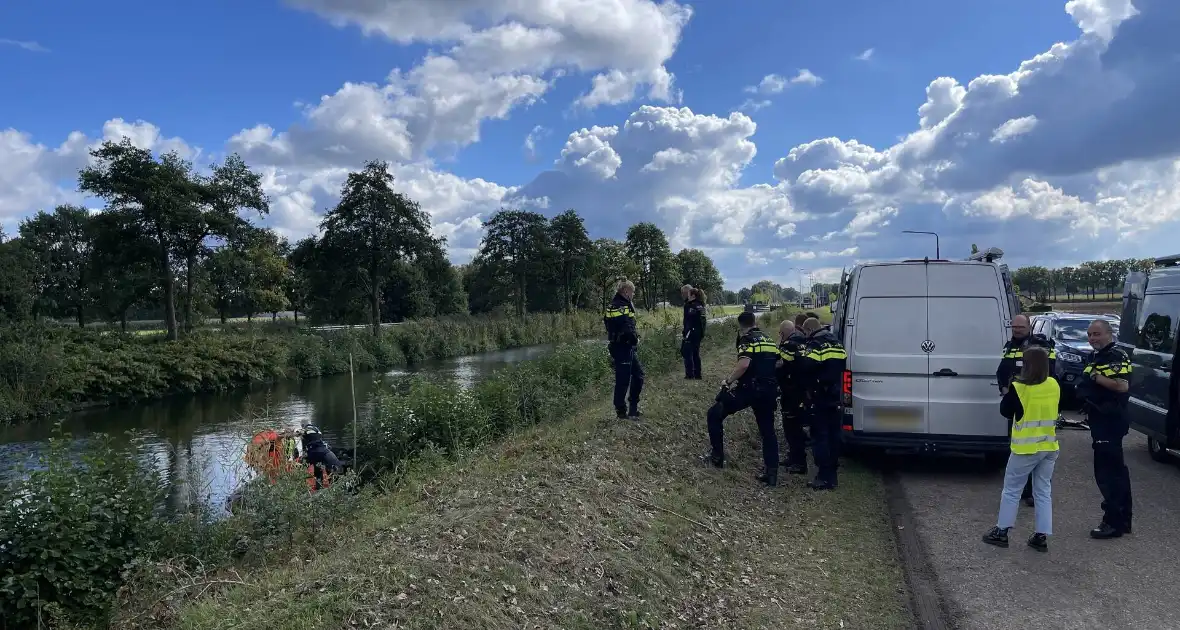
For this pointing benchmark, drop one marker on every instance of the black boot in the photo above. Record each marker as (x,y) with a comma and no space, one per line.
(715,457)
(620,414)
(769,477)
(1040,542)
(997,536)
(1105,531)
(635,414)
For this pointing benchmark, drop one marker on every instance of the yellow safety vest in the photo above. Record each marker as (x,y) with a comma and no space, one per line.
(1036,431)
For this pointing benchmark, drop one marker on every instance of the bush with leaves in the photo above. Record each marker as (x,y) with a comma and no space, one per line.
(71,527)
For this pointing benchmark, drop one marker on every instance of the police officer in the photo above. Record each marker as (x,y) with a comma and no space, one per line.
(1011,360)
(622,340)
(1104,397)
(752,383)
(791,343)
(692,330)
(821,370)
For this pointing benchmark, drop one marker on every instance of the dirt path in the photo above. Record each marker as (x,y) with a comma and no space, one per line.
(1080,583)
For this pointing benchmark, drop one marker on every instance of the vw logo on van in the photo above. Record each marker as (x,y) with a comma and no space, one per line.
(927,346)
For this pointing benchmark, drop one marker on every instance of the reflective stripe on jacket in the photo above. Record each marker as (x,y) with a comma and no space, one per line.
(1036,430)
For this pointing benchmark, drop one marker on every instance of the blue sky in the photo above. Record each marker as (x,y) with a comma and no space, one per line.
(1070,159)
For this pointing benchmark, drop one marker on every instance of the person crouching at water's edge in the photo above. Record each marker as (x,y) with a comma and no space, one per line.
(752,383)
(622,341)
(318,454)
(692,331)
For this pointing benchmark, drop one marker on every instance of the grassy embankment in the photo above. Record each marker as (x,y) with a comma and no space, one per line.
(591,522)
(49,369)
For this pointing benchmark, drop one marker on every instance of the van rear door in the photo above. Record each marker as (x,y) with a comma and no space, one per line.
(890,372)
(967,324)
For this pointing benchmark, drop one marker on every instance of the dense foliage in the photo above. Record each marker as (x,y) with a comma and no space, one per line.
(80,533)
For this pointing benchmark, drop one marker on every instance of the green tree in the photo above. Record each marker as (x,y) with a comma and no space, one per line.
(696,268)
(154,195)
(516,245)
(263,272)
(17,292)
(569,238)
(231,189)
(372,229)
(610,264)
(123,272)
(647,246)
(61,243)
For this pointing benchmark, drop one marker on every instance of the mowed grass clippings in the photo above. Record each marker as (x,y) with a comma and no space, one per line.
(596,523)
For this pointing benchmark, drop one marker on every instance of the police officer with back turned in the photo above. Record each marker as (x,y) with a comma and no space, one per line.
(791,343)
(1104,394)
(622,340)
(1011,362)
(821,370)
(752,383)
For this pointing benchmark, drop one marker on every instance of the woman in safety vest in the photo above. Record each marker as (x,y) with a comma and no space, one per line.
(1032,405)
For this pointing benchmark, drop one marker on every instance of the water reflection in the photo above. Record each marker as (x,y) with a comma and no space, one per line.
(197,442)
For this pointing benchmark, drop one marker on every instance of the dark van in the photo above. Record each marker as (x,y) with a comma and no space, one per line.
(1151,311)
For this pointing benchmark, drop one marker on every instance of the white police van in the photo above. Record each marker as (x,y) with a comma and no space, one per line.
(924,338)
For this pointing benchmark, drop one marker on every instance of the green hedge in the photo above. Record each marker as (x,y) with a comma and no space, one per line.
(47,369)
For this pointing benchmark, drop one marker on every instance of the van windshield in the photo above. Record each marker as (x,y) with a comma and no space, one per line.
(1074,330)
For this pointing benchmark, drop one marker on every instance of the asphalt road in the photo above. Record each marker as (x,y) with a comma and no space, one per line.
(1130,582)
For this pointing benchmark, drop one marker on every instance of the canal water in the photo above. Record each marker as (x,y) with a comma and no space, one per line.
(197,442)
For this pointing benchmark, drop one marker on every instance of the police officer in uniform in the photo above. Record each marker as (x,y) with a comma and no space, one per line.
(1104,397)
(1012,359)
(821,371)
(692,331)
(752,383)
(622,341)
(791,345)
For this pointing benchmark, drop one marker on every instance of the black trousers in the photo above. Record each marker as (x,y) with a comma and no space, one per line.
(825,441)
(690,348)
(628,377)
(1114,482)
(762,402)
(794,420)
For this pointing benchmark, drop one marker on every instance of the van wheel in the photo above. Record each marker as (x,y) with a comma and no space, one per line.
(1157,451)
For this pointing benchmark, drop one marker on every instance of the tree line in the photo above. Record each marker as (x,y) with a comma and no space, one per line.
(1089,279)
(182,245)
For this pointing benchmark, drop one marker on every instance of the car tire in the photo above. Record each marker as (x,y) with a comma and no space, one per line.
(1158,451)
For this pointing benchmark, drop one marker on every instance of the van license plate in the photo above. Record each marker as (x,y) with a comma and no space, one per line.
(897,418)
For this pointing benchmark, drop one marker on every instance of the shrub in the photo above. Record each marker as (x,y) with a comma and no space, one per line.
(73,526)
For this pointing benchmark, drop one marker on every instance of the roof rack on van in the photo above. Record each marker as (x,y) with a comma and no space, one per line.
(925,260)
(990,254)
(1167,261)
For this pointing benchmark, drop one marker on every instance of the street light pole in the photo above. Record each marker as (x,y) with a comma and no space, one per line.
(937,246)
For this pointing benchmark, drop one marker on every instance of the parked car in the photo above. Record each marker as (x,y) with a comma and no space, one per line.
(1068,332)
(1151,308)
(923,338)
